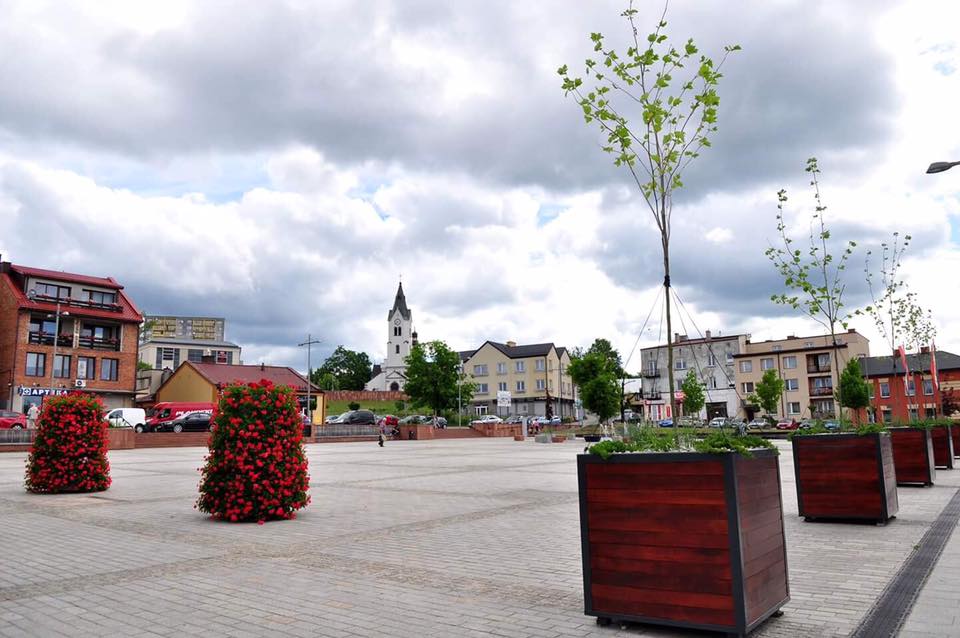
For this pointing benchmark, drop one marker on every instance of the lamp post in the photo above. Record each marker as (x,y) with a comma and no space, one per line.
(939,167)
(309,342)
(459,406)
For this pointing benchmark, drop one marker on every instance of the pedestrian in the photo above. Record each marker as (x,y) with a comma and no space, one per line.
(32,415)
(380,439)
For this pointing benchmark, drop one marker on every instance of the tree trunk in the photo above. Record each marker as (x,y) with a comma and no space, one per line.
(836,364)
(666,292)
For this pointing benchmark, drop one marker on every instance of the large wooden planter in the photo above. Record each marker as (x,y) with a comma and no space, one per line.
(942,446)
(913,456)
(121,438)
(846,476)
(955,435)
(683,539)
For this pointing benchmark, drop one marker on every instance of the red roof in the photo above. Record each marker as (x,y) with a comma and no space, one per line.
(129,312)
(219,373)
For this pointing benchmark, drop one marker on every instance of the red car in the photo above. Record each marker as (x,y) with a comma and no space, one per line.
(787,424)
(12,420)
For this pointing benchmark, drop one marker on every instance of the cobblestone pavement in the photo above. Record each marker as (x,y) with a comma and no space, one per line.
(444,538)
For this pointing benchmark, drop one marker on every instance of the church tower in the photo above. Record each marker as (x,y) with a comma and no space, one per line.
(401,337)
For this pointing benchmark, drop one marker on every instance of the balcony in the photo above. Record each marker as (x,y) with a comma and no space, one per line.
(79,303)
(821,392)
(98,343)
(814,367)
(46,339)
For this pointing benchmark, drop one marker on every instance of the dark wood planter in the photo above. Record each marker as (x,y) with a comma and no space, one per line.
(559,438)
(519,437)
(846,476)
(683,539)
(942,446)
(955,435)
(121,438)
(913,456)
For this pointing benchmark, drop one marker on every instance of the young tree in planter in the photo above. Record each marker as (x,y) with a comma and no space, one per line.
(256,469)
(434,377)
(854,392)
(69,453)
(813,276)
(599,389)
(768,391)
(657,105)
(693,396)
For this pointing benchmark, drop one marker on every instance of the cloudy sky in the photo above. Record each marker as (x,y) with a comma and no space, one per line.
(283,164)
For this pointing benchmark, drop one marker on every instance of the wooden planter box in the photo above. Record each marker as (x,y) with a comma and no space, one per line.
(559,438)
(683,539)
(121,438)
(846,476)
(942,446)
(416,432)
(955,436)
(519,437)
(913,456)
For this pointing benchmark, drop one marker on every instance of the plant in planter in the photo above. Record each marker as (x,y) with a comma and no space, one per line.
(256,469)
(682,531)
(845,475)
(69,452)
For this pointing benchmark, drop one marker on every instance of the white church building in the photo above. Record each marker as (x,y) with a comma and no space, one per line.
(401,337)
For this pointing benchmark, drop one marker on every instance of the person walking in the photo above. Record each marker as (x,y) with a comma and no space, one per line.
(32,415)
(380,437)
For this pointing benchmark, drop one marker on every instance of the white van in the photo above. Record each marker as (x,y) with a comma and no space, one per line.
(132,417)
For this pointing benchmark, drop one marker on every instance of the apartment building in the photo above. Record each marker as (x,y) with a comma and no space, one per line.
(806,365)
(529,376)
(61,332)
(895,396)
(710,358)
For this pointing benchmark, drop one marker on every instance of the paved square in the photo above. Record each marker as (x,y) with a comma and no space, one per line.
(443,538)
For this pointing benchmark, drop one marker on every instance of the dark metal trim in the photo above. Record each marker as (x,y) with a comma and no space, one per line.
(584,536)
(735,543)
(883,480)
(796,475)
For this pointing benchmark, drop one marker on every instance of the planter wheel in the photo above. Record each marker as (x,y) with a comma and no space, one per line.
(178,428)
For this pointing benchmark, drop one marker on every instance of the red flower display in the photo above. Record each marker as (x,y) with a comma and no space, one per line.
(256,469)
(69,452)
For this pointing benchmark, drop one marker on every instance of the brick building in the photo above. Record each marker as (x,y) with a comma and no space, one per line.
(94,350)
(920,398)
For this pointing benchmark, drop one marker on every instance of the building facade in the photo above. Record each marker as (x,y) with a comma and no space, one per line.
(895,396)
(531,377)
(391,376)
(807,367)
(195,328)
(711,359)
(61,332)
(170,352)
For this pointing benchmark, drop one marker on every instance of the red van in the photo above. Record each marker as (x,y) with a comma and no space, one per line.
(165,412)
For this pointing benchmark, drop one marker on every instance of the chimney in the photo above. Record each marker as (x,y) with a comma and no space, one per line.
(512,344)
(708,334)
(676,337)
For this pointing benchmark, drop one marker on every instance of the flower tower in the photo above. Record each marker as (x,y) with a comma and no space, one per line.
(256,469)
(69,452)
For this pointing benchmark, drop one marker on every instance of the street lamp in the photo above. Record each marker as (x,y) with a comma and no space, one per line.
(939,167)
(32,295)
(459,406)
(309,342)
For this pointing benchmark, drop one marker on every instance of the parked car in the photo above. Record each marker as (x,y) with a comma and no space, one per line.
(166,412)
(193,422)
(488,418)
(333,418)
(806,424)
(666,423)
(831,424)
(133,417)
(553,421)
(515,419)
(413,419)
(689,421)
(757,424)
(787,424)
(719,422)
(358,417)
(12,420)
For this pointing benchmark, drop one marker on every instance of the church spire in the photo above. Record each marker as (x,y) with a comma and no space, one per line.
(400,304)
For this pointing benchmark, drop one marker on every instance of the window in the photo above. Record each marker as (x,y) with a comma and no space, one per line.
(86,368)
(36,364)
(541,365)
(887,415)
(397,331)
(482,388)
(224,356)
(884,390)
(61,366)
(766,364)
(502,386)
(53,290)
(540,384)
(480,370)
(789,363)
(652,366)
(746,366)
(871,390)
(194,355)
(793,407)
(729,357)
(520,367)
(791,384)
(823,361)
(104,298)
(776,348)
(748,387)
(928,387)
(911,388)
(109,369)
(679,364)
(521,386)
(711,383)
(711,360)
(397,349)
(930,413)
(914,414)
(502,367)
(807,344)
